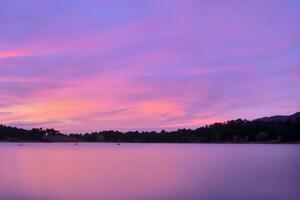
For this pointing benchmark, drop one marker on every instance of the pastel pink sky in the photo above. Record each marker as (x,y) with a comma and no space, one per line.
(81,66)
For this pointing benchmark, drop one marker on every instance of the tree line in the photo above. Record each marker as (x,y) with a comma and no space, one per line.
(237,131)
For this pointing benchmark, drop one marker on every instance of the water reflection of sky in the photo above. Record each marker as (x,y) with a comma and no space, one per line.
(148,171)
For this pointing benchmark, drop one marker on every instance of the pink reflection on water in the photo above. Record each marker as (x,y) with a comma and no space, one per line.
(148,171)
(105,172)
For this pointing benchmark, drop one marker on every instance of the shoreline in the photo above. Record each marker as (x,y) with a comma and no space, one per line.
(47,142)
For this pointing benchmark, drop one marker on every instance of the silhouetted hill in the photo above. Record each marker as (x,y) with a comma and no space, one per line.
(279,118)
(274,129)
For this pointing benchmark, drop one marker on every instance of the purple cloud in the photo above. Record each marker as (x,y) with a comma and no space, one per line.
(83,66)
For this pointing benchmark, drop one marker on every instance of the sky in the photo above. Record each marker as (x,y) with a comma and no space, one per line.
(82,66)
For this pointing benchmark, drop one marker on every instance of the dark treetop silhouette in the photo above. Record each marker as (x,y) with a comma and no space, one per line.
(270,130)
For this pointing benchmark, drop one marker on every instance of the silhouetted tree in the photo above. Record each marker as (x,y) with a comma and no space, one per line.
(231,131)
(262,136)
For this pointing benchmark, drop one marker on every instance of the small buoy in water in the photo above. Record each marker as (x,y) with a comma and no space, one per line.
(118,144)
(76,143)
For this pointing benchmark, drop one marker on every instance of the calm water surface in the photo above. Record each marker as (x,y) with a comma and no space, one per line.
(149,171)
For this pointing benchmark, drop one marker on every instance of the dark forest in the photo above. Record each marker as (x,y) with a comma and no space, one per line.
(277,129)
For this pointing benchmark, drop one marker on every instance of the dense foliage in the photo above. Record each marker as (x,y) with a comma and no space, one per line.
(8,133)
(231,131)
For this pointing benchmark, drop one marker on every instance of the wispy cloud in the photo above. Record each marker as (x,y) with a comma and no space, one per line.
(76,65)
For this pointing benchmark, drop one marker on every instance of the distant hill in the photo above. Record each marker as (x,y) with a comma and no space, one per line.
(279,118)
(275,129)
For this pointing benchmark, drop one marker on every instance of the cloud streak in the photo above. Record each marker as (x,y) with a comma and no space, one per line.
(87,66)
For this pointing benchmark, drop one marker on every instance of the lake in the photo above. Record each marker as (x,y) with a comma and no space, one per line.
(96,171)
